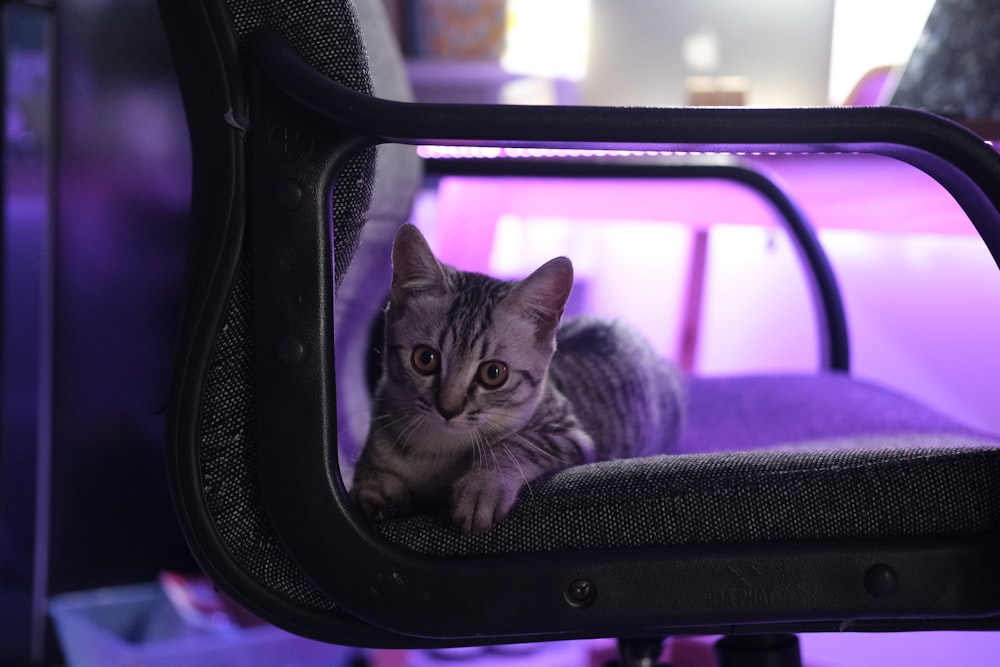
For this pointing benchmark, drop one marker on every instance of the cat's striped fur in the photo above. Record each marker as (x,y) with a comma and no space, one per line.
(475,401)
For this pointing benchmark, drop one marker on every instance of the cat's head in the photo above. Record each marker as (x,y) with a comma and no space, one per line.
(466,352)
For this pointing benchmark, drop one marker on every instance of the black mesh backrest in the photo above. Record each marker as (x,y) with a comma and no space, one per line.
(324,32)
(327,34)
(227,455)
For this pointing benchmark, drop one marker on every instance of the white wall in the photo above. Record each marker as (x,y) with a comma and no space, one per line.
(782,47)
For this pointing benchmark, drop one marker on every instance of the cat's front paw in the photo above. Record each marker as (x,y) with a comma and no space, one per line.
(480,500)
(382,496)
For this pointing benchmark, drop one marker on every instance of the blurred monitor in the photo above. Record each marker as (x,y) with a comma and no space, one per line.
(655,52)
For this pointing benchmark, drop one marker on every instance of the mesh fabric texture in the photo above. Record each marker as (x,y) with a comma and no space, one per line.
(817,457)
(883,487)
(228,456)
(327,35)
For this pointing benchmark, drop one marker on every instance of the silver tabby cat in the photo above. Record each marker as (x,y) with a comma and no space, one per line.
(483,392)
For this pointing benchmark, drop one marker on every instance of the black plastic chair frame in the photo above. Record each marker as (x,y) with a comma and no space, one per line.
(387,592)
(928,142)
(389,596)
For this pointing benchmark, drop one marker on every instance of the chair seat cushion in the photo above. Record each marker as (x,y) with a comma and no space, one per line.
(763,459)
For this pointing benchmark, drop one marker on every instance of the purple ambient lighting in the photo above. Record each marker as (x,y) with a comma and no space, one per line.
(445,152)
(490,152)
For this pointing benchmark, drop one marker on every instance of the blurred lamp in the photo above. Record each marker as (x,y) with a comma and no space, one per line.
(547,39)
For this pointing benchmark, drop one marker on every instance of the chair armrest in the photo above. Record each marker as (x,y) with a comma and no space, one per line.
(967,167)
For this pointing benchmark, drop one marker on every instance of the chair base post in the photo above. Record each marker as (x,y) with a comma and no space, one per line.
(777,650)
(639,652)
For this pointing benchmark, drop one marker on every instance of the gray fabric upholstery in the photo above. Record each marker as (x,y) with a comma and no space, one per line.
(228,459)
(374,196)
(825,443)
(325,33)
(750,412)
(934,486)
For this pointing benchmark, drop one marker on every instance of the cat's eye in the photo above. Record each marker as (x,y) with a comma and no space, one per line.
(425,359)
(492,374)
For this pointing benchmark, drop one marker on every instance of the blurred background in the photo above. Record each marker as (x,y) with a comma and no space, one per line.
(95,180)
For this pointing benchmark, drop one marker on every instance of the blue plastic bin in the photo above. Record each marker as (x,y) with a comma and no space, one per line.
(136,626)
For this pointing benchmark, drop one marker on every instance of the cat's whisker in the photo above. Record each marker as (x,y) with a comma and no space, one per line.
(559,428)
(496,462)
(538,449)
(373,418)
(373,422)
(535,447)
(474,446)
(414,424)
(405,417)
(483,449)
(490,432)
(520,470)
(491,444)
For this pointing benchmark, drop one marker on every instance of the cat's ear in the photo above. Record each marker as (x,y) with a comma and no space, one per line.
(414,268)
(542,296)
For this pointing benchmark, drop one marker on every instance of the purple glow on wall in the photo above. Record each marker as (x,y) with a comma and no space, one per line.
(491,152)
(458,152)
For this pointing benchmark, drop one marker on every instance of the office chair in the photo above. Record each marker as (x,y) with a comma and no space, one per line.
(874,513)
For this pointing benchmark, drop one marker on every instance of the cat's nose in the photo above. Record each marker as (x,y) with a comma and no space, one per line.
(449,410)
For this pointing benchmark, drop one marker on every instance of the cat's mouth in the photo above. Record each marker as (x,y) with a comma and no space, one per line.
(458,432)
(457,425)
